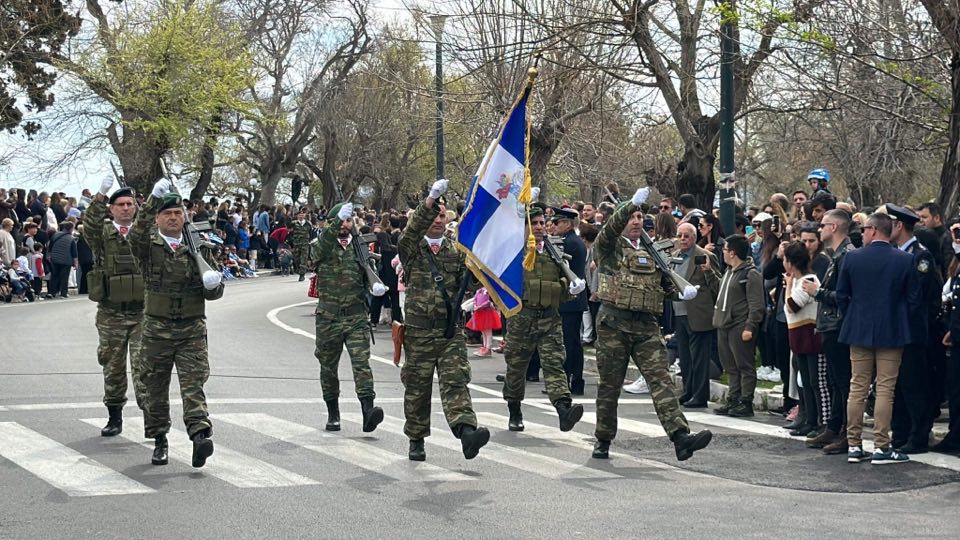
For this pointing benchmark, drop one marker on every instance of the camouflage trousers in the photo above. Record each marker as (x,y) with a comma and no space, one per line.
(617,342)
(167,344)
(333,333)
(119,332)
(425,354)
(525,334)
(300,258)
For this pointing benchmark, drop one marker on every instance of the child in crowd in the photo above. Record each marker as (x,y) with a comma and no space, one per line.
(485,320)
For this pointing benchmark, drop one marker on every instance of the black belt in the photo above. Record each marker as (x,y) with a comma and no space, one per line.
(424,322)
(336,309)
(624,314)
(539,313)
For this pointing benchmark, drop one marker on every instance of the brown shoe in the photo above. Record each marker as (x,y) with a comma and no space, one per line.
(838,446)
(823,439)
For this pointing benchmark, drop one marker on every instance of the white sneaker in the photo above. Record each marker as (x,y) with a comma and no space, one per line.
(638,386)
(775,375)
(763,372)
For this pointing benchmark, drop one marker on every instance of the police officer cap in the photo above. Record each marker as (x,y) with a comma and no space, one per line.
(565,213)
(122,192)
(170,200)
(900,213)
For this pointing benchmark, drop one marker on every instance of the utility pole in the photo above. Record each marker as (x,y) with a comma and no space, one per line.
(728,192)
(438,22)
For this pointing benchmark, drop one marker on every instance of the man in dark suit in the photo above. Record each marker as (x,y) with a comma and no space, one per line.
(571,313)
(693,319)
(877,291)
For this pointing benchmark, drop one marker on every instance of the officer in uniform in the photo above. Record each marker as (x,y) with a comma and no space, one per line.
(571,312)
(116,285)
(632,290)
(341,317)
(912,408)
(537,326)
(299,240)
(174,331)
(433,270)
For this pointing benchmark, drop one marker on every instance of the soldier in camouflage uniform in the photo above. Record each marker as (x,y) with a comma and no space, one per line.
(632,290)
(299,240)
(174,330)
(116,285)
(537,326)
(421,246)
(341,317)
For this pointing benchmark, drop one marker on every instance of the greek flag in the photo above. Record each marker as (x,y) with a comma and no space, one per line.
(491,230)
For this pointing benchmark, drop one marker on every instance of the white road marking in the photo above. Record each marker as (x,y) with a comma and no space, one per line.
(647,429)
(61,466)
(362,455)
(226,464)
(541,465)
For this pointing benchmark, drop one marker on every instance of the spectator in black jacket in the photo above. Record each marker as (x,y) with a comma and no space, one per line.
(63,256)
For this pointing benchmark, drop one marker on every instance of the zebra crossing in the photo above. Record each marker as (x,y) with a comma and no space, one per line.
(541,451)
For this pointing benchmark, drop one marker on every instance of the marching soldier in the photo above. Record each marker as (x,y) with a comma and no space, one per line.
(537,326)
(116,285)
(632,290)
(299,240)
(174,331)
(433,270)
(341,317)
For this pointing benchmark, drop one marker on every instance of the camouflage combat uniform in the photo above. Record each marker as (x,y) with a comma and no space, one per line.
(174,330)
(537,326)
(425,318)
(632,290)
(117,286)
(299,240)
(341,314)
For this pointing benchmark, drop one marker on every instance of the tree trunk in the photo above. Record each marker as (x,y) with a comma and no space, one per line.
(695,170)
(328,175)
(543,143)
(950,174)
(207,158)
(139,155)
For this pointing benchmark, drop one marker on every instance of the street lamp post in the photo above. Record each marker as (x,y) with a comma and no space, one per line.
(727,177)
(438,22)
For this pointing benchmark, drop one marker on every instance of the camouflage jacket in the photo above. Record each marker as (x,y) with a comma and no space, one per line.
(113,253)
(299,235)
(340,282)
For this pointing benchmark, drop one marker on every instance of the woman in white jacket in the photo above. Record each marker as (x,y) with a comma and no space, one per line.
(8,248)
(801,311)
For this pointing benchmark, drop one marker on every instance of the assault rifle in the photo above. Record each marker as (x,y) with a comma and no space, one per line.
(364,258)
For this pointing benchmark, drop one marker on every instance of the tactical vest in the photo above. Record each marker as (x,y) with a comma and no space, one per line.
(541,286)
(339,280)
(424,301)
(119,282)
(635,283)
(174,286)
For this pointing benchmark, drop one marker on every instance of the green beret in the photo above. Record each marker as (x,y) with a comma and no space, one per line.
(535,211)
(332,213)
(170,200)
(122,192)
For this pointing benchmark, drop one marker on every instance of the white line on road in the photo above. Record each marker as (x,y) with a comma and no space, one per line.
(61,466)
(541,465)
(226,464)
(647,429)
(362,455)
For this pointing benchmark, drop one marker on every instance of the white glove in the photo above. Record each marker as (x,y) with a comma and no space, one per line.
(346,212)
(379,289)
(578,286)
(211,280)
(689,293)
(161,188)
(106,184)
(640,196)
(535,193)
(439,188)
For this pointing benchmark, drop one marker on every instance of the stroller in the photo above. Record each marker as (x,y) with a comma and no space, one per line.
(284,260)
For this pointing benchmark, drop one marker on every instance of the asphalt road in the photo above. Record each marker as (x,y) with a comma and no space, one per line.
(276,474)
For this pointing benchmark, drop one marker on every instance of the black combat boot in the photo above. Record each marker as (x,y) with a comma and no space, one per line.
(301,278)
(114,423)
(472,439)
(741,410)
(159,450)
(333,415)
(724,409)
(686,444)
(569,413)
(202,448)
(417,453)
(516,417)
(372,415)
(601,450)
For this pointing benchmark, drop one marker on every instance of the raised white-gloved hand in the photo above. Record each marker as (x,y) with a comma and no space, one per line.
(211,279)
(578,286)
(640,196)
(379,289)
(106,184)
(439,188)
(161,188)
(689,293)
(535,193)
(346,212)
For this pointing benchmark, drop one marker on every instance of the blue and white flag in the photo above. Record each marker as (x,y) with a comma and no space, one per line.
(491,230)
